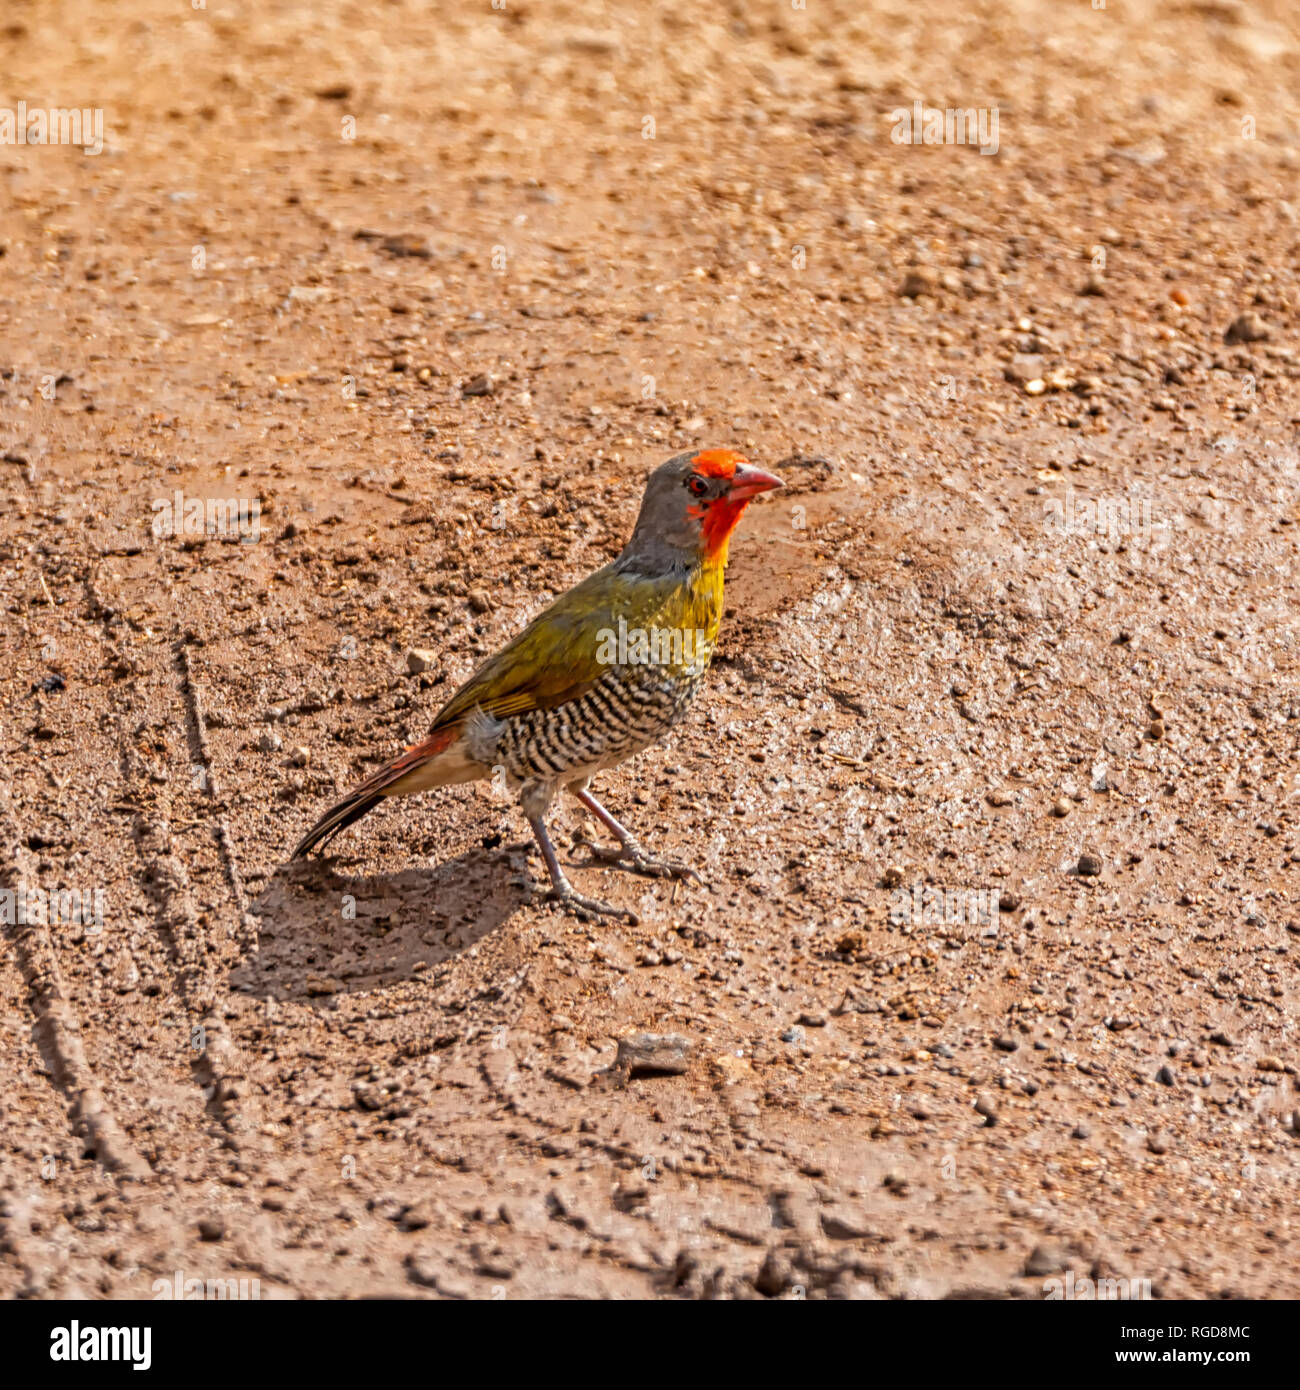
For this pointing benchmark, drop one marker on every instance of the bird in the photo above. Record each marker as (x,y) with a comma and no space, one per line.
(602,674)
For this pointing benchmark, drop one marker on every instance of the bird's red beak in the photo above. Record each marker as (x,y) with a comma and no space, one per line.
(748,481)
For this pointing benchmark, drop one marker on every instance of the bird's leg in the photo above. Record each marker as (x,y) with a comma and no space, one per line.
(563,892)
(629,851)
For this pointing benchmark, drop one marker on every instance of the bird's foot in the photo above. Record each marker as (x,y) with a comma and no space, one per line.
(587,909)
(630,855)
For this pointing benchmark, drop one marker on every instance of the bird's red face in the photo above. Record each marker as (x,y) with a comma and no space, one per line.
(719,484)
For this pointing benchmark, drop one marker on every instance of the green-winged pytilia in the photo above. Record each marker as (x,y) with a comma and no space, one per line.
(603,673)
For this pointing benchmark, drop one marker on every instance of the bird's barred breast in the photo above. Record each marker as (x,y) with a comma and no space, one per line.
(627,710)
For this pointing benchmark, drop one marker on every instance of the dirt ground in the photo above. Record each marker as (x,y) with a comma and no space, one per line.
(994,784)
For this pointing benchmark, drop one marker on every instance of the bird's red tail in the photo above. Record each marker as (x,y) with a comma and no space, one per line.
(373,790)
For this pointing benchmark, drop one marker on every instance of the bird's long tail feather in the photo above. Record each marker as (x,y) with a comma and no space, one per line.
(338,817)
(373,790)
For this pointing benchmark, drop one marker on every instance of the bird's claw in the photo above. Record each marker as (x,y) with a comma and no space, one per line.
(632,856)
(587,909)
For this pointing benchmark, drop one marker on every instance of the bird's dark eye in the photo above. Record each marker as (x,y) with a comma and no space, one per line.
(697,485)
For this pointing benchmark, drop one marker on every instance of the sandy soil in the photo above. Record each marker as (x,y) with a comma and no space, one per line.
(1020,635)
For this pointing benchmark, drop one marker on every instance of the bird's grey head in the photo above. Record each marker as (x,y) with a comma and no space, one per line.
(691,506)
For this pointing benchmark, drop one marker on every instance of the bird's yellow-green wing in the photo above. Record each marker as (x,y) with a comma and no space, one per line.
(556,658)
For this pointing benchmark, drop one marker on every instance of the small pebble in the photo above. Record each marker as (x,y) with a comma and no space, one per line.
(1043,1260)
(648,1053)
(1247,328)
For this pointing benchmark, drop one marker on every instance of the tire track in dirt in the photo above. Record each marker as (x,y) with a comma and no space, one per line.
(198,729)
(215,1063)
(218,1067)
(57,1028)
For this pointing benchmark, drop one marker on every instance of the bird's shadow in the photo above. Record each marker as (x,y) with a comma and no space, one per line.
(323,932)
